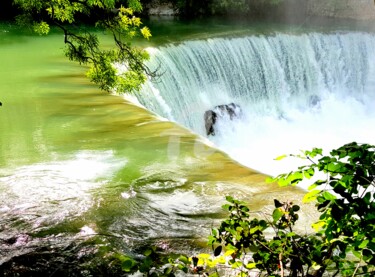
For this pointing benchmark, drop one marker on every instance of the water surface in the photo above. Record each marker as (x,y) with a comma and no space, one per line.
(73,159)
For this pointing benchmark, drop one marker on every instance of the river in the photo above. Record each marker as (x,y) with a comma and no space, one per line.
(75,161)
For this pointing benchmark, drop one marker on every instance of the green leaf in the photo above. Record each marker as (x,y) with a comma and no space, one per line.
(183,268)
(226,207)
(204,256)
(333,167)
(295,208)
(328,196)
(214,232)
(253,248)
(244,209)
(314,152)
(128,264)
(316,266)
(277,214)
(168,270)
(183,259)
(236,264)
(280,157)
(310,196)
(318,225)
(363,244)
(357,254)
(311,187)
(148,252)
(308,173)
(251,265)
(229,199)
(270,180)
(367,198)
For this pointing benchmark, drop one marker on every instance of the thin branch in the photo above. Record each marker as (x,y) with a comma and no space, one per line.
(356,269)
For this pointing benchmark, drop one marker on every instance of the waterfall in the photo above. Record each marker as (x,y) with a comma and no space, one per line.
(296,91)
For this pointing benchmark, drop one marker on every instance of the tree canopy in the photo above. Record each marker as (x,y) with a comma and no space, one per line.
(118,17)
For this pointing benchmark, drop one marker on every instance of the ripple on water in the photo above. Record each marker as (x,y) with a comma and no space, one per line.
(48,193)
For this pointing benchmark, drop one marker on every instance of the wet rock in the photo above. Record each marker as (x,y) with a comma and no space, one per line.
(209,122)
(160,8)
(220,112)
(19,240)
(314,100)
(54,256)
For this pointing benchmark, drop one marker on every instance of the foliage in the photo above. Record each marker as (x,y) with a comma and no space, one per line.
(194,8)
(241,6)
(345,199)
(343,242)
(153,263)
(84,47)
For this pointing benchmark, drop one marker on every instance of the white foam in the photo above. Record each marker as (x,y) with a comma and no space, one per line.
(258,140)
(296,91)
(52,191)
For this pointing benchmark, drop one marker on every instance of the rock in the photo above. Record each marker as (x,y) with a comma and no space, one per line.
(209,121)
(314,100)
(349,9)
(161,8)
(233,110)
(230,111)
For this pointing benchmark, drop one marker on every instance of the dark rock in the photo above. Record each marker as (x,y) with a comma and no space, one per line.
(314,100)
(209,121)
(233,110)
(230,111)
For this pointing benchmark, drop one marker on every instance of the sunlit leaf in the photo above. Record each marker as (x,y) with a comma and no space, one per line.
(363,244)
(251,265)
(280,157)
(310,196)
(277,214)
(146,32)
(183,259)
(318,225)
(204,256)
(328,196)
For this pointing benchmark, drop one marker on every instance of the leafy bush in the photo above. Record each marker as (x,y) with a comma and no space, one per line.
(343,243)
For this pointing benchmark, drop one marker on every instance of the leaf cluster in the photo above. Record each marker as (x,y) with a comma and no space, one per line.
(154,264)
(266,247)
(119,69)
(345,199)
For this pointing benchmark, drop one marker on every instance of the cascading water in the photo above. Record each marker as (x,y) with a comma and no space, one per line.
(296,92)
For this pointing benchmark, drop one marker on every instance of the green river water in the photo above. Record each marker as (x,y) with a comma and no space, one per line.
(73,158)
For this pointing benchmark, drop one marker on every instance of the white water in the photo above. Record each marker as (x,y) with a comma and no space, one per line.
(47,193)
(273,79)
